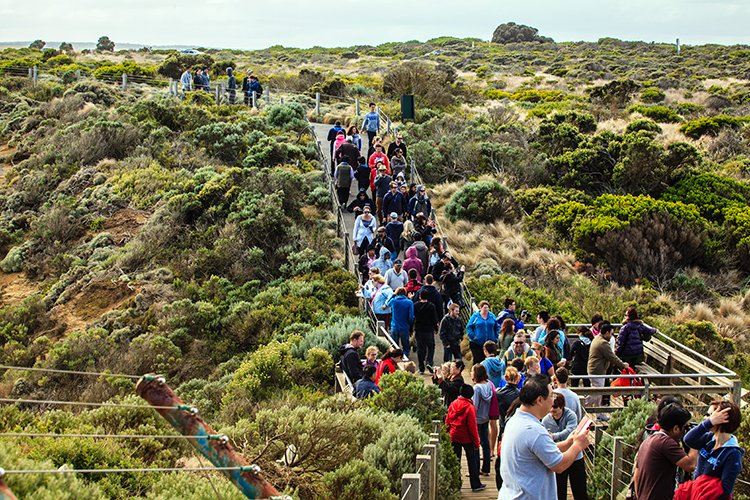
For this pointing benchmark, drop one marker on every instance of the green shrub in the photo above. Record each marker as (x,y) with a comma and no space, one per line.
(712,125)
(394,450)
(482,201)
(115,71)
(652,95)
(358,479)
(635,236)
(289,116)
(179,485)
(643,126)
(737,226)
(403,393)
(711,193)
(225,141)
(660,114)
(265,372)
(94,92)
(703,337)
(175,64)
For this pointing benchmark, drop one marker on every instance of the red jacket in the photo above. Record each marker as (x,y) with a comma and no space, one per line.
(462,422)
(382,157)
(385,366)
(703,488)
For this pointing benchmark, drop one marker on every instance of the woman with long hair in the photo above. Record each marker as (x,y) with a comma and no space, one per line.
(483,392)
(545,365)
(507,334)
(388,363)
(552,349)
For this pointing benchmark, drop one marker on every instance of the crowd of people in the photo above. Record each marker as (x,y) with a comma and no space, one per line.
(201,81)
(520,409)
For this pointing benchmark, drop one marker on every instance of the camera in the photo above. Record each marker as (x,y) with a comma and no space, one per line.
(525,314)
(430,369)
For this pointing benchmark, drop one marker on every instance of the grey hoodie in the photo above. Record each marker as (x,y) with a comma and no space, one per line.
(482,399)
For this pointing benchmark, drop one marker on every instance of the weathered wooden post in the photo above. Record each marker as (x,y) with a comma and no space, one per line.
(356,106)
(268,95)
(214,447)
(35,75)
(737,392)
(255,97)
(5,491)
(218,95)
(78,74)
(410,486)
(317,104)
(616,466)
(424,466)
(433,450)
(124,82)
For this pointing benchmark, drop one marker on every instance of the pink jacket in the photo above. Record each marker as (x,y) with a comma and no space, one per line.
(413,262)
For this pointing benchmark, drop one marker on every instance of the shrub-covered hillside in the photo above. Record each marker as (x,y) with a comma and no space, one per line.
(140,233)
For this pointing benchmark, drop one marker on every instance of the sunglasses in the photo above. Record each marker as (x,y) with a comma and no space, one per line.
(519,343)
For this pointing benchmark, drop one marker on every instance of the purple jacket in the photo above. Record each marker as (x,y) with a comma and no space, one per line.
(629,341)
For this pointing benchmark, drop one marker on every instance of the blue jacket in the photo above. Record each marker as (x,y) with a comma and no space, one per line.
(394,202)
(402,316)
(364,388)
(481,330)
(383,262)
(380,299)
(371,122)
(496,370)
(724,463)
(512,315)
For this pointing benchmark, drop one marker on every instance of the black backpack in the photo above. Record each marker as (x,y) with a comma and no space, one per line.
(259,92)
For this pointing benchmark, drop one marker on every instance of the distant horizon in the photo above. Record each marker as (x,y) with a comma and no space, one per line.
(81,45)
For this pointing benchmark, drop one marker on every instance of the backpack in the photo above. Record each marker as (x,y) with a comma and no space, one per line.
(259,92)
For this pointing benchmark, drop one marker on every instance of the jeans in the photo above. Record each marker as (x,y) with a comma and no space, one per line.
(596,400)
(472,460)
(425,348)
(370,137)
(577,474)
(403,339)
(484,440)
(451,352)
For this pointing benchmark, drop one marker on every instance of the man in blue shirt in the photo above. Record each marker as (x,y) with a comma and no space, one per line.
(529,457)
(371,124)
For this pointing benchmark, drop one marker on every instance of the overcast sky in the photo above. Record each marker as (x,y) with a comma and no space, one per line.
(252,24)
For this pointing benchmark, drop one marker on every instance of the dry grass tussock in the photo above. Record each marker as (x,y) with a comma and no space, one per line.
(497,246)
(616,125)
(731,316)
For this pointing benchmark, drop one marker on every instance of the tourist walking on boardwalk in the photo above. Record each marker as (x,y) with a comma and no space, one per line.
(451,333)
(363,174)
(397,144)
(561,421)
(571,398)
(541,318)
(398,163)
(481,328)
(383,241)
(519,350)
(510,312)
(358,203)
(231,86)
(353,132)
(393,201)
(380,300)
(348,152)
(461,422)
(393,230)
(381,184)
(332,132)
(383,262)
(484,394)
(413,262)
(371,124)
(420,203)
(396,277)
(506,398)
(402,319)
(529,456)
(343,178)
(719,453)
(433,295)
(365,226)
(507,334)
(425,324)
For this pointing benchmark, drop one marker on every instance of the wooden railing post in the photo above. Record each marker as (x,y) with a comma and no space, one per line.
(216,448)
(437,426)
(616,466)
(737,392)
(5,491)
(433,449)
(410,486)
(424,469)
(124,82)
